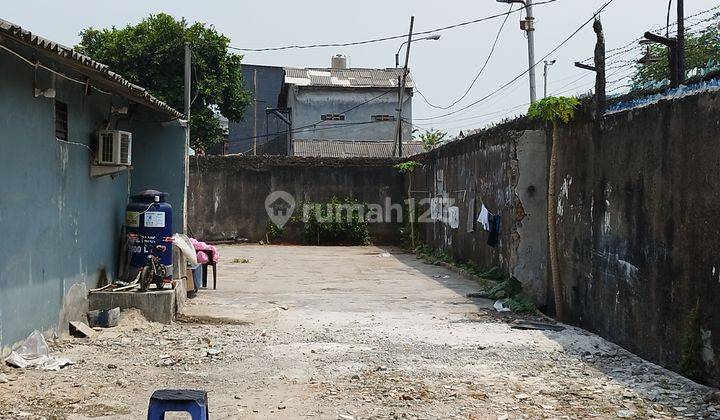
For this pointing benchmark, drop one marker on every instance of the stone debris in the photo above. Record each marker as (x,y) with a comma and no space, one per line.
(80,329)
(454,365)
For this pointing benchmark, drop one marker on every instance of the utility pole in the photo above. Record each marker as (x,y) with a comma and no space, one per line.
(403,82)
(188,59)
(545,76)
(255,101)
(600,82)
(529,27)
(676,47)
(681,41)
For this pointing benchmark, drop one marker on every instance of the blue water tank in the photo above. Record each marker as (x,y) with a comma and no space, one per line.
(150,216)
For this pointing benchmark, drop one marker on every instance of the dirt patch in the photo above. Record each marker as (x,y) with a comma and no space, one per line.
(209,320)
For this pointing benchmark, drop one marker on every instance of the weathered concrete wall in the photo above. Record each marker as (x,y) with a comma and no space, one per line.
(226,198)
(505,171)
(638,231)
(60,226)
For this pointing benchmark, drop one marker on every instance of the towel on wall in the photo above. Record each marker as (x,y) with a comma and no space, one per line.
(484,218)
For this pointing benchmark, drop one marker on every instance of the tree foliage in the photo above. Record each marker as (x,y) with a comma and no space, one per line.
(554,109)
(151,54)
(407,167)
(430,139)
(700,49)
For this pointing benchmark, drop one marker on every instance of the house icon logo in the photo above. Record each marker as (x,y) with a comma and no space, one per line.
(280,206)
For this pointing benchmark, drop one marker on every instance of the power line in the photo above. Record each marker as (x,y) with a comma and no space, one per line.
(526,71)
(386,38)
(482,69)
(631,45)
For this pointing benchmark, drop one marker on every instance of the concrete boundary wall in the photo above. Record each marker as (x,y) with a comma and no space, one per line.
(506,172)
(638,230)
(226,198)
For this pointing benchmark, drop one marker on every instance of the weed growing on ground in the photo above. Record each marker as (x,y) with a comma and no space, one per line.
(494,284)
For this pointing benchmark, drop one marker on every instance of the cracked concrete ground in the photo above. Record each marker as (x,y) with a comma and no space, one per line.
(349,332)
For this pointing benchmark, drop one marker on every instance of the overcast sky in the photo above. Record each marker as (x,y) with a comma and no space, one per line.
(442,69)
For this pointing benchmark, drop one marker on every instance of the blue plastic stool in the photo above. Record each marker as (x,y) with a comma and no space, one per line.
(178,400)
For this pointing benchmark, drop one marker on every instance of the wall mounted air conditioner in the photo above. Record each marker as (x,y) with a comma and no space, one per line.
(114,147)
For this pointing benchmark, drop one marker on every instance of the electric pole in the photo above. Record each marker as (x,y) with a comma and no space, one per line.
(188,58)
(681,41)
(255,101)
(676,47)
(529,27)
(545,76)
(403,82)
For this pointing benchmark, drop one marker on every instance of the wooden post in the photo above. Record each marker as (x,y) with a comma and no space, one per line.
(600,82)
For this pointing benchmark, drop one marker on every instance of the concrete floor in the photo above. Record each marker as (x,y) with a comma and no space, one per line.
(349,332)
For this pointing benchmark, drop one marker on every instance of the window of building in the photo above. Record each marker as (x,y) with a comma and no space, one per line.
(378,118)
(333,117)
(61,121)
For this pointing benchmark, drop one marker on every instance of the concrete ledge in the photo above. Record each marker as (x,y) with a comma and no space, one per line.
(160,306)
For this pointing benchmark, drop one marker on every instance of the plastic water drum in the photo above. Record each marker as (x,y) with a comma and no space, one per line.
(150,217)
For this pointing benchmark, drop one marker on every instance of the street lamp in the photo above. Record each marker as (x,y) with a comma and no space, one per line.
(528,26)
(545,75)
(433,37)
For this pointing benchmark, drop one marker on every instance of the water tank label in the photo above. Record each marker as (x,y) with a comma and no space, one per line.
(132,219)
(155,219)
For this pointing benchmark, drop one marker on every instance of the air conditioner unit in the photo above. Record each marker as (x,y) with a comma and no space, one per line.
(114,148)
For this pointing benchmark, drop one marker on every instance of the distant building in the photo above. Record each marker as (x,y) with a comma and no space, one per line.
(354,106)
(76,139)
(258,126)
(345,148)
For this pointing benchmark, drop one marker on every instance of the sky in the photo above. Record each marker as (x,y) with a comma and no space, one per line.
(442,70)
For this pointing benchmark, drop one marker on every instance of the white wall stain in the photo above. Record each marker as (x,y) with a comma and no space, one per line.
(629,270)
(606,217)
(563,195)
(708,354)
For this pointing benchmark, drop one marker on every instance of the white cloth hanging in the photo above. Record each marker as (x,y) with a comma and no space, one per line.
(484,218)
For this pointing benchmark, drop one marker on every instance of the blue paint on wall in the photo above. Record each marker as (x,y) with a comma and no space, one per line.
(59,225)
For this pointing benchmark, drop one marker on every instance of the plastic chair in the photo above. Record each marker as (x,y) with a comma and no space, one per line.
(210,263)
(178,400)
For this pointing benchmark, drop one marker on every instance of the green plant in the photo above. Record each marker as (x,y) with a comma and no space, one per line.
(151,55)
(407,167)
(241,261)
(273,231)
(521,303)
(409,237)
(554,110)
(506,288)
(431,138)
(493,282)
(691,362)
(701,48)
(341,220)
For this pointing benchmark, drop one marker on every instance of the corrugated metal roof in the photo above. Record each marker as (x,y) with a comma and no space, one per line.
(349,148)
(85,65)
(345,78)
